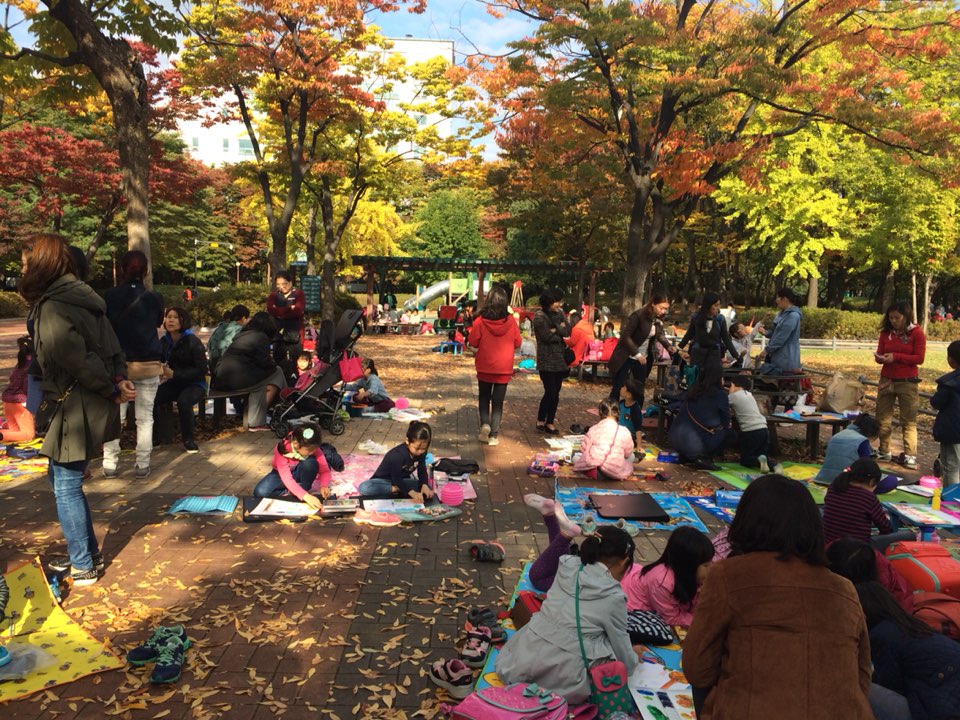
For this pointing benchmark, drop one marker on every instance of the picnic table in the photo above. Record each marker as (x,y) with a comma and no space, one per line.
(592,368)
(812,422)
(397,328)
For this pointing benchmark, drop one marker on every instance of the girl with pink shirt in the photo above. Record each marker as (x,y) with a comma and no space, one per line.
(298,463)
(669,586)
(607,450)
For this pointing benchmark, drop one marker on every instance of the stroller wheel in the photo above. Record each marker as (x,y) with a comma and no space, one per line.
(282,429)
(337,426)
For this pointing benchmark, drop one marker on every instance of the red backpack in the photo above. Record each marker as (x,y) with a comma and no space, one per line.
(939,611)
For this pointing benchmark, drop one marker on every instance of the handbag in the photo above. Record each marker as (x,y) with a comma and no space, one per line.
(648,628)
(47,411)
(608,680)
(351,368)
(520,701)
(841,394)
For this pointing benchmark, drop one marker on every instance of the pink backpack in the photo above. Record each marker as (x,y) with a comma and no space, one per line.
(513,702)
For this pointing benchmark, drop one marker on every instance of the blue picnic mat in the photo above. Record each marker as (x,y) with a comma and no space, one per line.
(204,505)
(708,505)
(575,501)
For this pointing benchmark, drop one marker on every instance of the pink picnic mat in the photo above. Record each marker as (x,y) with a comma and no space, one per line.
(360,467)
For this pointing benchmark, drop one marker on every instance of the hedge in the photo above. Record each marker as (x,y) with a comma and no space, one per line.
(208,309)
(847,324)
(12,305)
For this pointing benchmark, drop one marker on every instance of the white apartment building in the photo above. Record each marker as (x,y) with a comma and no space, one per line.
(225,143)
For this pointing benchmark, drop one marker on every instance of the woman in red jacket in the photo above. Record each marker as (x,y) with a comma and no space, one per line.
(496,336)
(901,351)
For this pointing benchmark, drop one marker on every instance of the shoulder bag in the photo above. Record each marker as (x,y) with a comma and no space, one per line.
(49,406)
(608,680)
(568,354)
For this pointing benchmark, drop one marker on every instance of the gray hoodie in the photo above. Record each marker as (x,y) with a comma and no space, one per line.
(546,650)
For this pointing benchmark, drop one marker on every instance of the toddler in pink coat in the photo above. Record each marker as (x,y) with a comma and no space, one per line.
(607,450)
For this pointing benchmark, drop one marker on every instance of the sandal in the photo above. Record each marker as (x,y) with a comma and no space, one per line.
(588,525)
(476,648)
(487,552)
(498,634)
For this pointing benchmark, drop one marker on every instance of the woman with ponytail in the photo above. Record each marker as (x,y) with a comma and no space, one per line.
(546,651)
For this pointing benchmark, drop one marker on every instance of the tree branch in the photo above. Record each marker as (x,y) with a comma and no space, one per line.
(69,60)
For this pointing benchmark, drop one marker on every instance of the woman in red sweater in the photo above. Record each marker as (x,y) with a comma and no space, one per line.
(901,351)
(496,336)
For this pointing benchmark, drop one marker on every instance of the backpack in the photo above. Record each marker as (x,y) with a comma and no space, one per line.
(520,701)
(939,611)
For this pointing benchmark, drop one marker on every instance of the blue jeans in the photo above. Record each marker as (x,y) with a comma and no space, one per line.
(376,488)
(271,486)
(887,704)
(66,479)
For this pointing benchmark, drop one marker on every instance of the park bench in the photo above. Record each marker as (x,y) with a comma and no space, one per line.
(592,368)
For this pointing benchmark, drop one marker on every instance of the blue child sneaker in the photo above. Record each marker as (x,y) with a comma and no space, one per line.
(169,661)
(150,650)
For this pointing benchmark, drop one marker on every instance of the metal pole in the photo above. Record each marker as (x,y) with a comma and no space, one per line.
(196,262)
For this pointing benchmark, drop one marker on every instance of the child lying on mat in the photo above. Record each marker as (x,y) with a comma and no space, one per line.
(546,651)
(670,585)
(298,461)
(607,449)
(403,471)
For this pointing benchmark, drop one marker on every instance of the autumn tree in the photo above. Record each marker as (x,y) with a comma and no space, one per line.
(72,34)
(682,94)
(268,62)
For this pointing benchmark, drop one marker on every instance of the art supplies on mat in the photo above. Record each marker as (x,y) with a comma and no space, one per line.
(392,506)
(544,464)
(203,505)
(635,506)
(273,509)
(920,515)
(707,505)
(335,506)
(917,490)
(728,498)
(576,504)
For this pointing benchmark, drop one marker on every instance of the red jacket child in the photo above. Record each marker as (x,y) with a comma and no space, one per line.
(908,352)
(496,342)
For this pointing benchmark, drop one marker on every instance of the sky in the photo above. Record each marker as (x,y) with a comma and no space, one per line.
(466,22)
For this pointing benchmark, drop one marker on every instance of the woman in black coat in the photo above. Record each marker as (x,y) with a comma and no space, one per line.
(184,372)
(635,353)
(711,338)
(248,365)
(550,327)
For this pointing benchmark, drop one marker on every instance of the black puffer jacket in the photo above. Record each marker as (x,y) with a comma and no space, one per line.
(186,358)
(246,363)
(550,345)
(946,400)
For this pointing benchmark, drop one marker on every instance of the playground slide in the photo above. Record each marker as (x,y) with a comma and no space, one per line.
(431,293)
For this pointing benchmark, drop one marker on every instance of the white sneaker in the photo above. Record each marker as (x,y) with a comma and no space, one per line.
(778,469)
(909,461)
(764,465)
(493,440)
(884,457)
(484,435)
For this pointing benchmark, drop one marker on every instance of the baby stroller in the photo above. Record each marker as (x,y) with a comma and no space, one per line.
(319,395)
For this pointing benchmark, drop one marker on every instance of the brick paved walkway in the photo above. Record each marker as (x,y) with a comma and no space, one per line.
(294,620)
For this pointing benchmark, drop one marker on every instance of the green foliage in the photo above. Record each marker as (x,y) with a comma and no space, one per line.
(945,330)
(449,226)
(12,305)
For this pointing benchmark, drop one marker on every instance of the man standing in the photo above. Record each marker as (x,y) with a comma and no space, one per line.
(286,306)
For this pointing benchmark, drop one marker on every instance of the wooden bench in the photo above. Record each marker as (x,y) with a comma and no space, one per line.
(593,369)
(219,398)
(813,425)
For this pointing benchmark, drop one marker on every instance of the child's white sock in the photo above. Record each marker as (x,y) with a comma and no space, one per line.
(546,506)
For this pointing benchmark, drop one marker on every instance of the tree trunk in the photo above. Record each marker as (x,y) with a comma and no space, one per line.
(638,259)
(913,294)
(691,286)
(927,292)
(813,292)
(328,282)
(311,240)
(887,288)
(119,72)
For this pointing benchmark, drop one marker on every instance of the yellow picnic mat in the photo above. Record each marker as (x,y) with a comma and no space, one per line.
(47,647)
(13,468)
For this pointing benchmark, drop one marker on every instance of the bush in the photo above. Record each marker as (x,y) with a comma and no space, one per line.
(12,305)
(209,307)
(945,330)
(825,322)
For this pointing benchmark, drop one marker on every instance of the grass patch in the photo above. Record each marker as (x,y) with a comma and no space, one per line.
(854,363)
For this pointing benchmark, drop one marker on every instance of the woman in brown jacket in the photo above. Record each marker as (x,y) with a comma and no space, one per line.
(635,352)
(776,634)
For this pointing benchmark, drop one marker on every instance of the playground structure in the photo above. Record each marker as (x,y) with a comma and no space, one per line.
(377,265)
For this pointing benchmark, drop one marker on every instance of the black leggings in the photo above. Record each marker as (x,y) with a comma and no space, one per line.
(186,397)
(491,405)
(552,382)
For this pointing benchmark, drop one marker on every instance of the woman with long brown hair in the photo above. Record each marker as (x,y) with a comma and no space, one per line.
(83,384)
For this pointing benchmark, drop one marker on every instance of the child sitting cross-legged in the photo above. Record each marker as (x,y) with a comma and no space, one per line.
(607,449)
(403,470)
(631,406)
(670,585)
(298,461)
(370,389)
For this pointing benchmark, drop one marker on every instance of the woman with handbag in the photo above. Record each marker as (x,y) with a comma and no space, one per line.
(582,623)
(248,365)
(83,385)
(776,634)
(135,314)
(699,427)
(550,327)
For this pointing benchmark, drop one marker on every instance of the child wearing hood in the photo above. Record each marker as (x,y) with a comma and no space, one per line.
(496,336)
(946,428)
